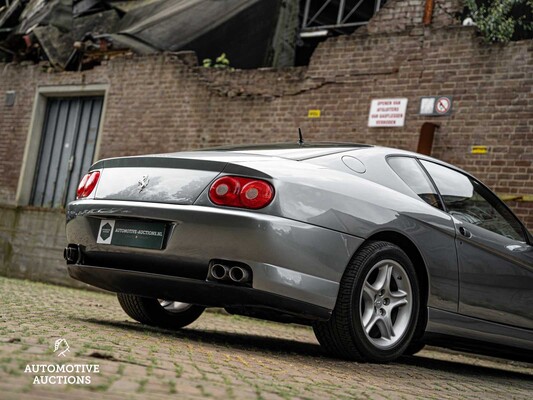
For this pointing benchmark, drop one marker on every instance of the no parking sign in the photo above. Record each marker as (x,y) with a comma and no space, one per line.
(436,105)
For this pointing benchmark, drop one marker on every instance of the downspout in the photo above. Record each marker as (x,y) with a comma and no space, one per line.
(428,12)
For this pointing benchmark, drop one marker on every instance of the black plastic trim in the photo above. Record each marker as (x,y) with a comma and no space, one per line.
(209,294)
(159,162)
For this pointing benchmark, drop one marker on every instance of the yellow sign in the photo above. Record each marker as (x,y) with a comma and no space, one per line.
(479,150)
(313,114)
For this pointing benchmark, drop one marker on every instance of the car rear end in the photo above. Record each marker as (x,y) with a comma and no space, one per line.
(202,228)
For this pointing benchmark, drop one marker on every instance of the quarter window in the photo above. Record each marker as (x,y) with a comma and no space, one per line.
(469,201)
(409,170)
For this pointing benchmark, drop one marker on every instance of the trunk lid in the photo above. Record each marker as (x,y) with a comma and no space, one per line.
(176,178)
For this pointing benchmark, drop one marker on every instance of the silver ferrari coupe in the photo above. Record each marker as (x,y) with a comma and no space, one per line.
(379,249)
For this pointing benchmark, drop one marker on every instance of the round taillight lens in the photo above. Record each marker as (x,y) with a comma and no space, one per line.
(81,186)
(87,184)
(225,191)
(236,191)
(256,194)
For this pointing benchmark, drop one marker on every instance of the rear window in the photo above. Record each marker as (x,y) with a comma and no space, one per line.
(297,154)
(292,151)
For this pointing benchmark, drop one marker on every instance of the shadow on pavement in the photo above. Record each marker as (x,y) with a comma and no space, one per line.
(237,340)
(463,369)
(266,344)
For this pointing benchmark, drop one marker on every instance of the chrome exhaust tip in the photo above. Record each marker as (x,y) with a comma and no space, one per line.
(230,272)
(72,254)
(238,275)
(219,271)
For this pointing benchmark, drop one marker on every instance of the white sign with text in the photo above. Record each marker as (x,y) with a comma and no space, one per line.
(387,113)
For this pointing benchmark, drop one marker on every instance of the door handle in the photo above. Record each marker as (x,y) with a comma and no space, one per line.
(465,232)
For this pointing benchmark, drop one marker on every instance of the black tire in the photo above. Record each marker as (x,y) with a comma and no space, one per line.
(414,347)
(150,312)
(343,336)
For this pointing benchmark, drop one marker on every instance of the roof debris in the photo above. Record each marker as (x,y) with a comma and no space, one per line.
(80,34)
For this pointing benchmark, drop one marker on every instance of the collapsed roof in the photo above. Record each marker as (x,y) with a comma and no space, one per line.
(77,34)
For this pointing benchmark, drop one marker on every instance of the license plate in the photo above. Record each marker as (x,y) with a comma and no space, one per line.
(147,235)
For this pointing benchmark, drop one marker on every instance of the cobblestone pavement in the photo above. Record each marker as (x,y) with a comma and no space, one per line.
(219,356)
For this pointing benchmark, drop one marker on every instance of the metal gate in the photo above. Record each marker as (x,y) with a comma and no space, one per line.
(67,148)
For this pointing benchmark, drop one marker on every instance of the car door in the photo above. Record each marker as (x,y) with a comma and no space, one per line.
(439,248)
(495,256)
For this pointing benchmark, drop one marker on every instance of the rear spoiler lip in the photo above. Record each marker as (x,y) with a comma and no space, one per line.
(160,162)
(178,163)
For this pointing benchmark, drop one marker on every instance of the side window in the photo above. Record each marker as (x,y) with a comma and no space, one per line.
(414,176)
(469,201)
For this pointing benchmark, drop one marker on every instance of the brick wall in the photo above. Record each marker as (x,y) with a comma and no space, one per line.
(164,103)
(401,15)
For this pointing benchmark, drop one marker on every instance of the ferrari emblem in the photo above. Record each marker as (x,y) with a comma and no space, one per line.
(143,182)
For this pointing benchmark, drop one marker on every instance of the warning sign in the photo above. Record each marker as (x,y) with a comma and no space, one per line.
(435,105)
(313,114)
(387,113)
(443,105)
(479,149)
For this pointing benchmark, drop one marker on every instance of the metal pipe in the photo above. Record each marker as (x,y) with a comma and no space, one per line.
(425,140)
(306,14)
(340,14)
(428,12)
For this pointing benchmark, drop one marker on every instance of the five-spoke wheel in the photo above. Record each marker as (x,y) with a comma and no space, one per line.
(377,306)
(386,303)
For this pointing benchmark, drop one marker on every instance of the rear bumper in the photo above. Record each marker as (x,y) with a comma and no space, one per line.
(296,267)
(204,293)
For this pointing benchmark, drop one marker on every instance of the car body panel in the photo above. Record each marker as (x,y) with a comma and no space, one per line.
(347,203)
(162,185)
(496,277)
(287,257)
(462,326)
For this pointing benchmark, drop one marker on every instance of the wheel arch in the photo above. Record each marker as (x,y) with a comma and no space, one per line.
(407,245)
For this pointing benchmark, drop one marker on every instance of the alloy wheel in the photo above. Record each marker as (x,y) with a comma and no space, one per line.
(386,304)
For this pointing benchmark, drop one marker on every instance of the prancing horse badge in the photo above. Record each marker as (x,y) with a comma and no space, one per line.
(143,182)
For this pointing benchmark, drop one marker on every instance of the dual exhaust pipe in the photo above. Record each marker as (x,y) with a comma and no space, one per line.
(236,274)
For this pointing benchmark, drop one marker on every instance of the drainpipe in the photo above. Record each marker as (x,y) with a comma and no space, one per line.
(425,140)
(428,12)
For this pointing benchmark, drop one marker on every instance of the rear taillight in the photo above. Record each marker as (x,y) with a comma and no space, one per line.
(87,184)
(235,191)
